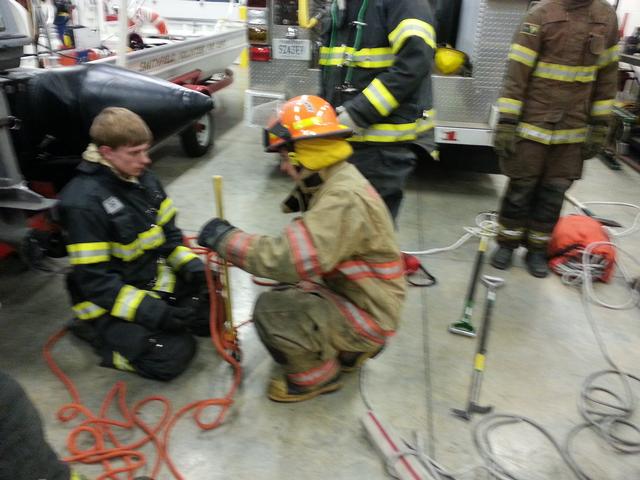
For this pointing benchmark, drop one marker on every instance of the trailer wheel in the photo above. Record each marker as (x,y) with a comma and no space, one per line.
(197,138)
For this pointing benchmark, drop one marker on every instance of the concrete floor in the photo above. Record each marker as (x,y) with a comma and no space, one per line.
(540,351)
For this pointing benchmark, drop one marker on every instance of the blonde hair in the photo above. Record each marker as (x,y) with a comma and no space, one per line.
(118,127)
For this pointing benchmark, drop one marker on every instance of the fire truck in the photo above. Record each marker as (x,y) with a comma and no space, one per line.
(284,53)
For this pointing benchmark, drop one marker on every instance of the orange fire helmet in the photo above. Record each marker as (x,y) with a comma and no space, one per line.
(301,118)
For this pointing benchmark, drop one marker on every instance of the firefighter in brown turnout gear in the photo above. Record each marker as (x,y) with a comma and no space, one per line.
(556,101)
(137,292)
(339,263)
(376,62)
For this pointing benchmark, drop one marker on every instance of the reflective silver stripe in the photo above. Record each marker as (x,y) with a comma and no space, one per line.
(304,252)
(602,108)
(165,279)
(332,56)
(538,237)
(88,253)
(148,240)
(374,58)
(509,105)
(360,320)
(152,238)
(127,252)
(514,234)
(412,27)
(166,211)
(315,376)
(523,55)
(565,73)
(238,246)
(88,310)
(609,56)
(551,137)
(127,302)
(359,269)
(180,256)
(380,97)
(391,132)
(364,58)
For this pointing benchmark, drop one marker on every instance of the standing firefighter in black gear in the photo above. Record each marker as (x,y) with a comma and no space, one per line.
(556,101)
(137,292)
(376,70)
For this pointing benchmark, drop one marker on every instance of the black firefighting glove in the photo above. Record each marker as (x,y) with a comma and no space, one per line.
(595,142)
(176,319)
(195,279)
(213,232)
(504,140)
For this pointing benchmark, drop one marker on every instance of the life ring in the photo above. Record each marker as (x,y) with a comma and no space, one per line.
(146,16)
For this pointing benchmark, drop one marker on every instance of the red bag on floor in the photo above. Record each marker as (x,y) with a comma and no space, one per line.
(571,235)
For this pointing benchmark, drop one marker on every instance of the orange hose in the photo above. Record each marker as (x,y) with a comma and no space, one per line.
(106,447)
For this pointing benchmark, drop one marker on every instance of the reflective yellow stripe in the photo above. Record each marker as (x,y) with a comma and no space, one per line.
(537,237)
(365,58)
(380,97)
(551,137)
(396,132)
(180,256)
(609,56)
(166,280)
(307,122)
(478,364)
(88,310)
(602,108)
(76,476)
(166,211)
(127,252)
(87,253)
(412,27)
(509,105)
(565,73)
(523,55)
(152,238)
(121,363)
(127,303)
(148,240)
(435,154)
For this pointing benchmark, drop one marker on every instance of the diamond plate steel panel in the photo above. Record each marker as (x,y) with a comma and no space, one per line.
(460,99)
(289,76)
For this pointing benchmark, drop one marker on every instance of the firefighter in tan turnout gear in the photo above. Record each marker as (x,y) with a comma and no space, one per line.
(339,263)
(556,101)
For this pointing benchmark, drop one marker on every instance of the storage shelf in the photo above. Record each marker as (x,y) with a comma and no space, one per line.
(630,59)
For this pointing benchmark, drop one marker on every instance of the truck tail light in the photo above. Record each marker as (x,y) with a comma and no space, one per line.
(260,54)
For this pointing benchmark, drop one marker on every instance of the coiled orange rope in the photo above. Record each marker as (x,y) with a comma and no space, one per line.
(101,429)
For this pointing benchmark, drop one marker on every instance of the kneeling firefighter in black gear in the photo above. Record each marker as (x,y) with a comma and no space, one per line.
(138,293)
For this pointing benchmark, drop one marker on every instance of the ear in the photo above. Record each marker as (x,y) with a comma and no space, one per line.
(105,151)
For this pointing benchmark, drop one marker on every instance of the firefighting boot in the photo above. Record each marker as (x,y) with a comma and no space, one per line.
(281,390)
(351,361)
(502,257)
(536,261)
